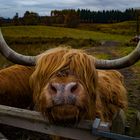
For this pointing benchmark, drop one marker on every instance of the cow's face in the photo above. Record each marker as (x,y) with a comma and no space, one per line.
(63,86)
(63,98)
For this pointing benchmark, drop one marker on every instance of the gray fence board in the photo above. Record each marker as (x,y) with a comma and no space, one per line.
(31,120)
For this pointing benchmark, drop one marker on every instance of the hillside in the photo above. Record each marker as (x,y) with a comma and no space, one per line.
(60,32)
(122,28)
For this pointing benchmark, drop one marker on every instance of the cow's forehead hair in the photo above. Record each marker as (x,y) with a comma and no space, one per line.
(65,58)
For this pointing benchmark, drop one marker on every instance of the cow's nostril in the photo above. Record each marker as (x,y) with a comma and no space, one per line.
(73,88)
(53,88)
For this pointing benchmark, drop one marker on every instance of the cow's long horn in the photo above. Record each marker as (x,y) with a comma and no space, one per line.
(123,62)
(14,56)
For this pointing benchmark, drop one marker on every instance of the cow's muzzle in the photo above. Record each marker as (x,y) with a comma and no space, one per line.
(64,93)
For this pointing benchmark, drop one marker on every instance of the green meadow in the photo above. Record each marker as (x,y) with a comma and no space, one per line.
(127,28)
(60,32)
(32,40)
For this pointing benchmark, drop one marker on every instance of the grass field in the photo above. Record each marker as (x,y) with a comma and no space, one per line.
(60,32)
(122,28)
(35,39)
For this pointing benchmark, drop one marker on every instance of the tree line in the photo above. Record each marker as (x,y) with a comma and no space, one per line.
(108,16)
(71,17)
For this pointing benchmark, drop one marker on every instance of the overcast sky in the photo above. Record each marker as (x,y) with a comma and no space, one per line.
(8,8)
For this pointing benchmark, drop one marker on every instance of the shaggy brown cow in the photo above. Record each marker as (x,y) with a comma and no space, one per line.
(66,84)
(66,87)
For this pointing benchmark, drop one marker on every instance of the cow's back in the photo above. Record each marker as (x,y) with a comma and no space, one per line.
(14,86)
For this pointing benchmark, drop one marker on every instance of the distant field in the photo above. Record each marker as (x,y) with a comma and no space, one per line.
(60,32)
(122,28)
(33,40)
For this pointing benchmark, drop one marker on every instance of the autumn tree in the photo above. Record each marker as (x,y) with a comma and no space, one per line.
(16,19)
(31,18)
(71,19)
(137,14)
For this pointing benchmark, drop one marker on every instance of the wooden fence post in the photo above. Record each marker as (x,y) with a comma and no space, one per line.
(2,137)
(136,126)
(119,122)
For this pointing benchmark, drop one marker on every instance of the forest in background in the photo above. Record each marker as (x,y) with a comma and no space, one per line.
(72,18)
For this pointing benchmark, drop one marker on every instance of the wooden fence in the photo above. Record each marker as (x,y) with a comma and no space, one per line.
(31,120)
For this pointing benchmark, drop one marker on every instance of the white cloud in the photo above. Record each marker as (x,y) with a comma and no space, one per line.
(10,7)
(27,2)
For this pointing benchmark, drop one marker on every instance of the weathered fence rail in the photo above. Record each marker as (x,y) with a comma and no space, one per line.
(31,120)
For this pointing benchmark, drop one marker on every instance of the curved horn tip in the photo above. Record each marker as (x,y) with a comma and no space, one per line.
(120,63)
(13,56)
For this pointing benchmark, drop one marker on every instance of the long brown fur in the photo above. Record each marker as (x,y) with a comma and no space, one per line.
(14,86)
(105,91)
(111,94)
(60,59)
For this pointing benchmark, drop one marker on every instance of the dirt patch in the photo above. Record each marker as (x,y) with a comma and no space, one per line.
(109,43)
